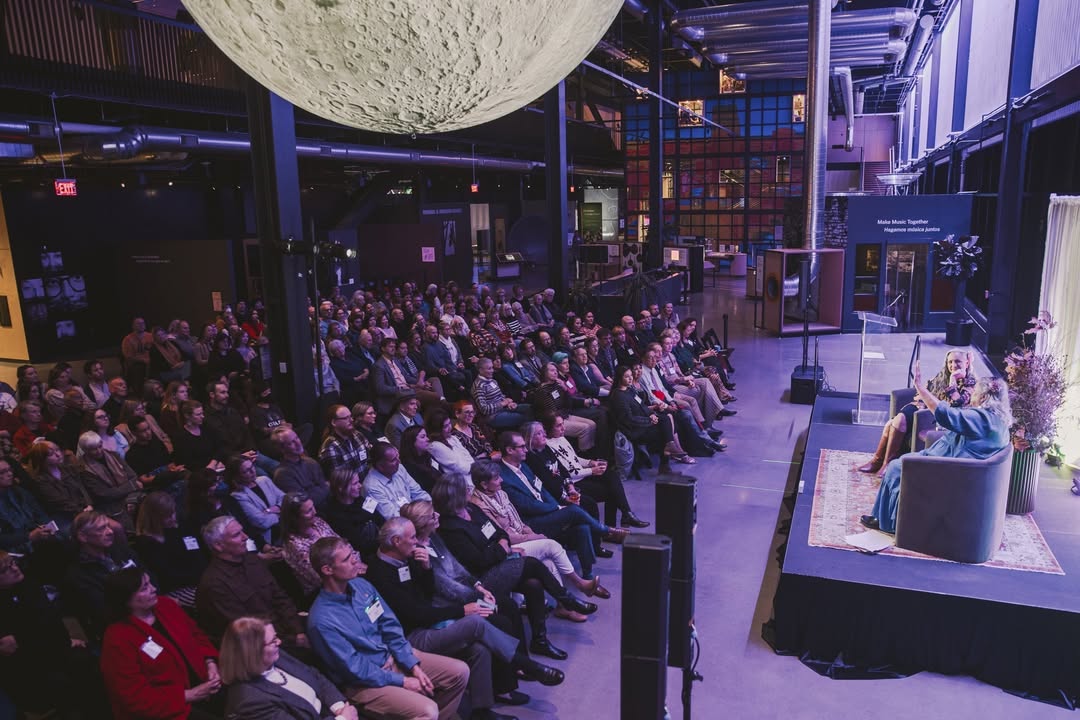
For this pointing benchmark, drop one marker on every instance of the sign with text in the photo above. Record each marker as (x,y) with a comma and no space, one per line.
(908,218)
(427,254)
(66,187)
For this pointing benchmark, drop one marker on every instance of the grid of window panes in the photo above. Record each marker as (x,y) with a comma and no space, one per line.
(728,185)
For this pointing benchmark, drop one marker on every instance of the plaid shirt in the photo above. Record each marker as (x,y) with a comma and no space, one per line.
(350,452)
(668,367)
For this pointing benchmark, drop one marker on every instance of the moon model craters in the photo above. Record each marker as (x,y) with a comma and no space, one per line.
(407,66)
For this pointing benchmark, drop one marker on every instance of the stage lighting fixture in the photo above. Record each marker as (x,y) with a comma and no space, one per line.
(335,251)
(292,246)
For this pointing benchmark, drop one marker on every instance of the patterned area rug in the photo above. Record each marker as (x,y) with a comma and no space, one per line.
(842,494)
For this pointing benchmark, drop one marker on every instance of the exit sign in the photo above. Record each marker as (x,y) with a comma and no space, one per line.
(66,187)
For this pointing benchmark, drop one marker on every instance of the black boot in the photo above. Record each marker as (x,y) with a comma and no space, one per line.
(631,520)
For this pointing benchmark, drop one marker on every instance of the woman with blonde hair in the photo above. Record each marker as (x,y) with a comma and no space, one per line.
(953,384)
(264,682)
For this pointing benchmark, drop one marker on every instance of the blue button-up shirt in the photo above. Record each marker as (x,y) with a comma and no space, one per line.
(352,647)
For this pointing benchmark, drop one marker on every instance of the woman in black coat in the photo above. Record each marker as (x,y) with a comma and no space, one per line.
(484,549)
(639,424)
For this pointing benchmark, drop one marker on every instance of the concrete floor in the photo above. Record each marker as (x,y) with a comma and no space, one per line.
(739,509)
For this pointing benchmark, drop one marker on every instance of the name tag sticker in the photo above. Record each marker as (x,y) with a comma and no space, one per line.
(374,611)
(128,564)
(638,398)
(191,543)
(403,574)
(250,545)
(434,464)
(555,394)
(488,530)
(370,504)
(151,648)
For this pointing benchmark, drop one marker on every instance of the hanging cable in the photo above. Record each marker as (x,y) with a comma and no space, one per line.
(59,134)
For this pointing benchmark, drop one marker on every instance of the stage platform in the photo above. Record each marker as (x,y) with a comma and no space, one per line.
(850,614)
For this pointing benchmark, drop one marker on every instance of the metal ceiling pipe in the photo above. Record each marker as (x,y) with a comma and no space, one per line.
(838,42)
(918,43)
(764,10)
(105,143)
(843,76)
(817,126)
(636,8)
(798,67)
(897,21)
(892,48)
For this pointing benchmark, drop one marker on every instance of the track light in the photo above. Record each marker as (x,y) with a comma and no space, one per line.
(335,251)
(292,246)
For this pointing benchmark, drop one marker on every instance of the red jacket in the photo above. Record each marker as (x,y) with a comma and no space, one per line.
(142,688)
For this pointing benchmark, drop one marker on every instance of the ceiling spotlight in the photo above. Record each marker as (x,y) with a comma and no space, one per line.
(292,246)
(170,183)
(336,251)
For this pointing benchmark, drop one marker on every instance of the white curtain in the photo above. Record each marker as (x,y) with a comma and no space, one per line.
(1061,298)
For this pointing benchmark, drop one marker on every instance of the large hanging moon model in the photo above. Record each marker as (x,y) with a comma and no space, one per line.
(406,66)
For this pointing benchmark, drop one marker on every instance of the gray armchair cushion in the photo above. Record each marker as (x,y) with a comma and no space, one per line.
(924,419)
(900,398)
(953,508)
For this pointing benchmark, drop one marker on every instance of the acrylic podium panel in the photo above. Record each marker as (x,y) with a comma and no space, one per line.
(871,358)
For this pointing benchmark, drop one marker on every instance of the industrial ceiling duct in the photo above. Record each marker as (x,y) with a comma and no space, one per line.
(771,11)
(106,143)
(896,21)
(918,43)
(780,44)
(881,53)
(636,8)
(842,75)
(817,125)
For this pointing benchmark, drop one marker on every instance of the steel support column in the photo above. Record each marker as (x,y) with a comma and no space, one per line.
(557,188)
(278,216)
(1009,307)
(963,57)
(654,251)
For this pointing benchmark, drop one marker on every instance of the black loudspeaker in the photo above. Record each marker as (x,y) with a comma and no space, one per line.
(806,380)
(647,584)
(676,517)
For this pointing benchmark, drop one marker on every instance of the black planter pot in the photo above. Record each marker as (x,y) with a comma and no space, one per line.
(958,332)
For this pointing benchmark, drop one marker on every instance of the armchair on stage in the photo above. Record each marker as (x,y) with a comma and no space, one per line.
(953,508)
(925,430)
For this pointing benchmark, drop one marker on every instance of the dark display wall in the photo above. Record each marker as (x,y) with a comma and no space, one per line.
(87,264)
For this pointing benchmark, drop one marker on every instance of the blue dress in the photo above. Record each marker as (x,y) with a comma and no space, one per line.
(970,433)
